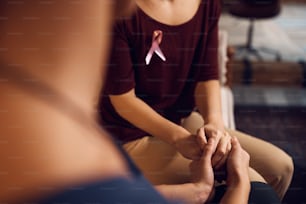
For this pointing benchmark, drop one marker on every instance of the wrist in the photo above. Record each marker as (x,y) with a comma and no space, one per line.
(202,191)
(216,125)
(239,179)
(242,188)
(176,134)
(215,119)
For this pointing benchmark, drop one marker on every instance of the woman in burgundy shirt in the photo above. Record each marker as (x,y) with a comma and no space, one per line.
(162,68)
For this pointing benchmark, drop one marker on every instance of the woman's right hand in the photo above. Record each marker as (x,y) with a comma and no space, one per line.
(237,164)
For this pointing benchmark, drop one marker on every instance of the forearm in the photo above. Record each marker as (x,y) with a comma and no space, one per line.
(237,194)
(188,193)
(238,187)
(137,112)
(208,101)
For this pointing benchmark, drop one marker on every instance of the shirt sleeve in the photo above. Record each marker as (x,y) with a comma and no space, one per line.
(120,74)
(208,61)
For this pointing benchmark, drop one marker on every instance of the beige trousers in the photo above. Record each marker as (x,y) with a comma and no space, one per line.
(162,164)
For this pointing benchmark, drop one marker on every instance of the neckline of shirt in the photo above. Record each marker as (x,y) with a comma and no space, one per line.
(182,25)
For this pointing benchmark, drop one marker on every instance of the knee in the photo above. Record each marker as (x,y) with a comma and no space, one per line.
(282,179)
(288,167)
(285,169)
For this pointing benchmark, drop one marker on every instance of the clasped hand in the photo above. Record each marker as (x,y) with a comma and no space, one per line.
(192,146)
(237,165)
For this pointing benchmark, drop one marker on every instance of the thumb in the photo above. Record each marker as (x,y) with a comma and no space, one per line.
(235,146)
(208,149)
(235,143)
(201,138)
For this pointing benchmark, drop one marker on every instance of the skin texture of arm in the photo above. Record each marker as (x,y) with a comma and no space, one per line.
(137,112)
(208,101)
(236,194)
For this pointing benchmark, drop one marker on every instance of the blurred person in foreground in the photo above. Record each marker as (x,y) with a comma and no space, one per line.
(51,150)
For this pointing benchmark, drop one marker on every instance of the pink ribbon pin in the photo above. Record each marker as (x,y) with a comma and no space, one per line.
(156,40)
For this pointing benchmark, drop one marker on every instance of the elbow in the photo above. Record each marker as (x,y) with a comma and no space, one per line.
(121,102)
(118,104)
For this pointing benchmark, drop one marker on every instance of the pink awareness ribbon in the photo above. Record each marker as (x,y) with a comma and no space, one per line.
(156,40)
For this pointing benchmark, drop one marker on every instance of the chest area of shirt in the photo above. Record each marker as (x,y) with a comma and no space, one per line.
(171,48)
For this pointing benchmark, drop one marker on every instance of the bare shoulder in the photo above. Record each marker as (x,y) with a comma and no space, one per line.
(41,147)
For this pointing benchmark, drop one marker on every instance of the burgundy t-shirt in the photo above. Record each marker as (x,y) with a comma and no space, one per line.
(166,86)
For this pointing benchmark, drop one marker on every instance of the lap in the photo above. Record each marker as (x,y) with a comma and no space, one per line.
(265,157)
(162,164)
(159,161)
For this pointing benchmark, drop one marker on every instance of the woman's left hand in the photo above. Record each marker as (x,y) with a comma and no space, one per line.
(222,146)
